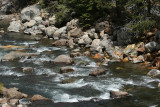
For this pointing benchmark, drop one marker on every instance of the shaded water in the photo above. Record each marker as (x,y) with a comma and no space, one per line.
(47,81)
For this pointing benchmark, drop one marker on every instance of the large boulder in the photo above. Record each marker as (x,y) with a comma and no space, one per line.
(50,31)
(102,26)
(151,46)
(118,94)
(33,30)
(38,19)
(74,23)
(86,39)
(95,44)
(30,13)
(61,42)
(131,50)
(16,55)
(31,23)
(15,26)
(97,72)
(63,59)
(12,93)
(39,98)
(76,33)
(125,36)
(59,32)
(154,73)
(6,6)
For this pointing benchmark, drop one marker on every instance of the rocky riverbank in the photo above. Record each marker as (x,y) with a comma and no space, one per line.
(99,40)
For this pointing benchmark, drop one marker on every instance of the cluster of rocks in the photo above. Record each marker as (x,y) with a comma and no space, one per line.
(12,97)
(35,21)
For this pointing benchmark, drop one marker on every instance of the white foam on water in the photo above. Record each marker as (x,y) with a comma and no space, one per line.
(154,106)
(44,71)
(65,98)
(42,49)
(58,78)
(14,84)
(105,96)
(59,96)
(92,64)
(9,73)
(76,84)
(29,43)
(6,71)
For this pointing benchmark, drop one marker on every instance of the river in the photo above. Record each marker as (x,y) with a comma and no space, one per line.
(47,81)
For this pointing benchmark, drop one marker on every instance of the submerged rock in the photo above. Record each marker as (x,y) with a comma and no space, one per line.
(118,94)
(66,70)
(75,54)
(63,59)
(16,55)
(97,72)
(70,80)
(154,73)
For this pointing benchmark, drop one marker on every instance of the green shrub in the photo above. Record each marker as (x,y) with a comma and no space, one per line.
(142,26)
(1,86)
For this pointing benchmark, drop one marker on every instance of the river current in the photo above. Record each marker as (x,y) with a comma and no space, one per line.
(47,81)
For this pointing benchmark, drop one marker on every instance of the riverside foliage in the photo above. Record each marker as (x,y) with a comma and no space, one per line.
(135,13)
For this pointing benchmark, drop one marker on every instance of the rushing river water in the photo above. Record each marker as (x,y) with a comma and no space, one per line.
(47,81)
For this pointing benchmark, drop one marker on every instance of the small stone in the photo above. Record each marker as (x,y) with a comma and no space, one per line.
(6,105)
(118,94)
(154,73)
(63,59)
(126,59)
(97,72)
(38,98)
(158,85)
(13,102)
(70,80)
(28,69)
(87,53)
(139,59)
(76,54)
(3,101)
(66,70)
